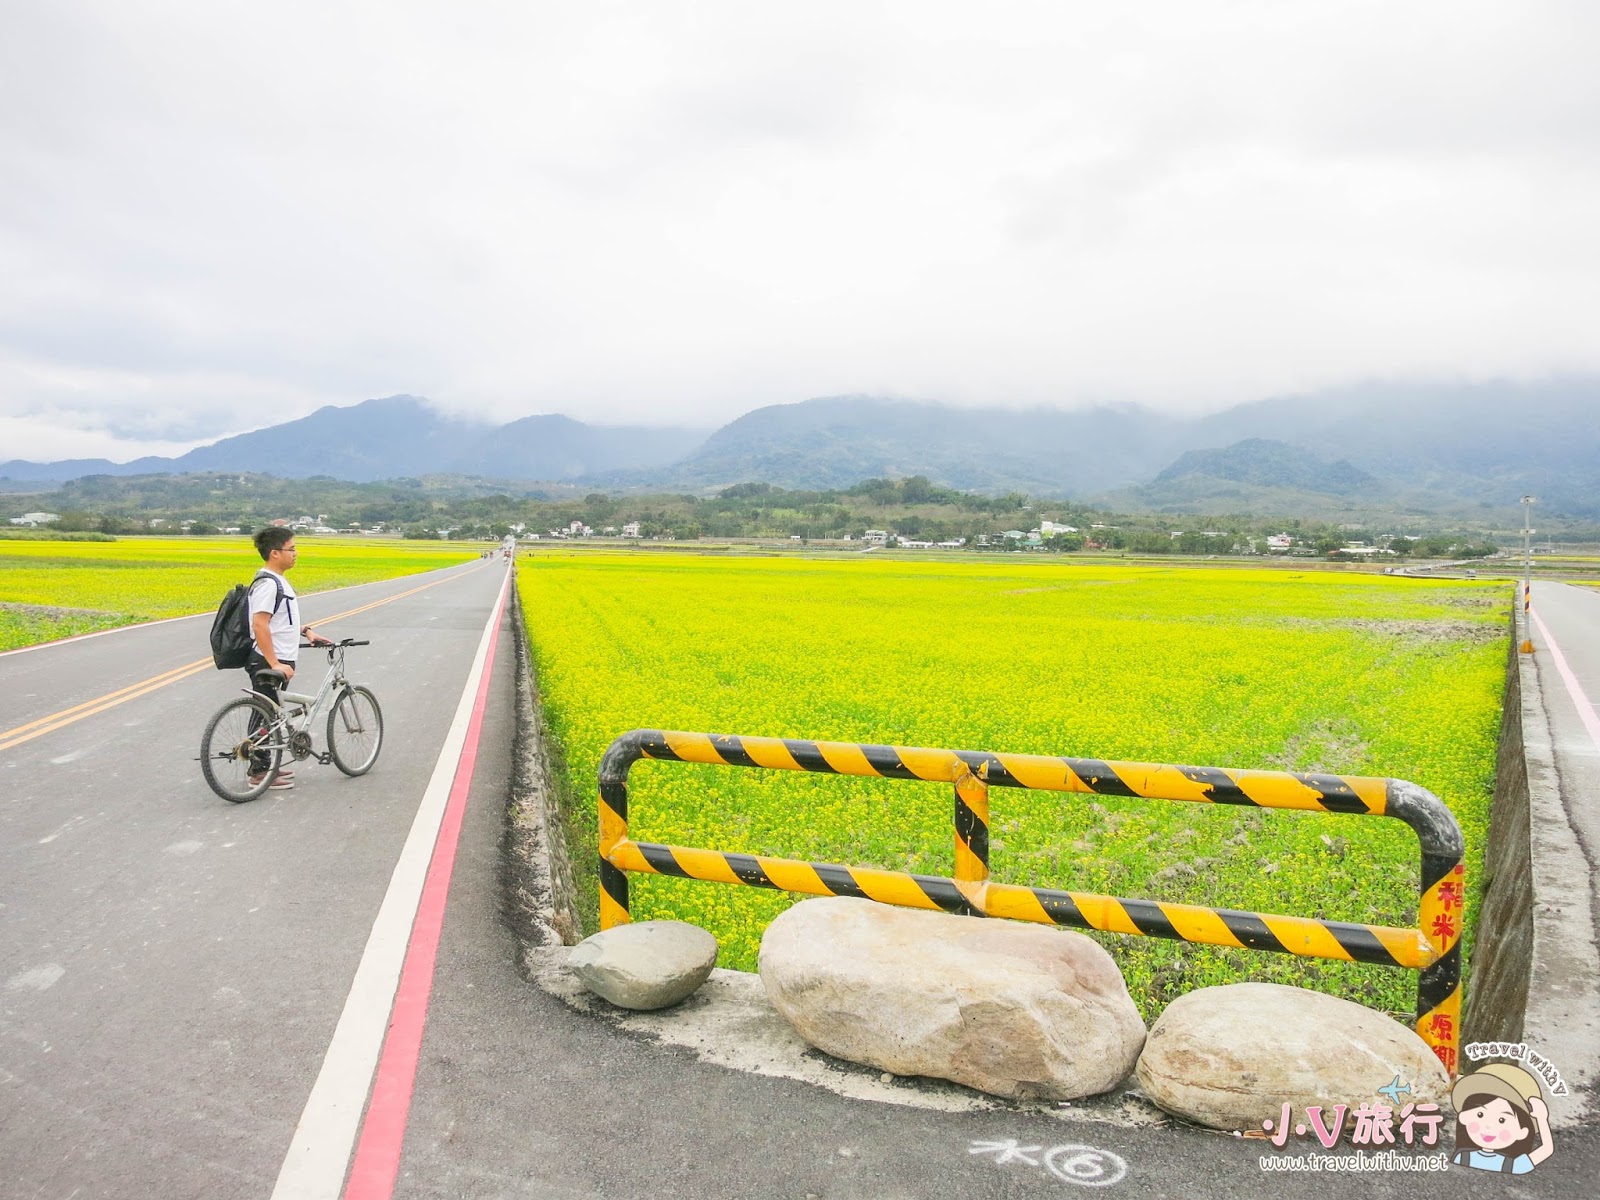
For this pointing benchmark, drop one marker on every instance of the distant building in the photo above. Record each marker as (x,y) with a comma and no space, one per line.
(631,530)
(1049,527)
(39,518)
(1279,541)
(875,537)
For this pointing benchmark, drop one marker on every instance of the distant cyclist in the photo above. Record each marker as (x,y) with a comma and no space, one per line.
(275,625)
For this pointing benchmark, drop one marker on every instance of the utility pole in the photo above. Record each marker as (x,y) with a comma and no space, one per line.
(1527,577)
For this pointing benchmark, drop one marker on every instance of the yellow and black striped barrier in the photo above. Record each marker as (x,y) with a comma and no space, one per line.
(1432,948)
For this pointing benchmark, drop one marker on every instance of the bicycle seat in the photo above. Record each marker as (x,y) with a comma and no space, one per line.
(270,675)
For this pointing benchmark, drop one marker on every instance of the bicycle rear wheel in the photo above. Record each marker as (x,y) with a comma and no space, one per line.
(355,730)
(230,743)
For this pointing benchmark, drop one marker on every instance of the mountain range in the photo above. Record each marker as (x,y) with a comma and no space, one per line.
(1423,447)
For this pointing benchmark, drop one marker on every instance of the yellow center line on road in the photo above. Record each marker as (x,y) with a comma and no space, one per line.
(68,716)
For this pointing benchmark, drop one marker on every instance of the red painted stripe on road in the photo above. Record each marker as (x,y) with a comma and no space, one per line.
(1586,712)
(383,1132)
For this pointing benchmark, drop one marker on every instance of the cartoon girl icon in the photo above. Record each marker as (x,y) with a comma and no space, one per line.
(1502,1124)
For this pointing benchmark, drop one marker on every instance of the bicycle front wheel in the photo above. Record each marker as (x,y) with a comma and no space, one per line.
(355,730)
(237,743)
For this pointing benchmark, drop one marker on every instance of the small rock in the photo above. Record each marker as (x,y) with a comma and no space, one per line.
(1230,1057)
(1011,1009)
(651,964)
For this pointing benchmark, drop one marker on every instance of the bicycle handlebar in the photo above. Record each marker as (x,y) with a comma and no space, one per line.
(334,645)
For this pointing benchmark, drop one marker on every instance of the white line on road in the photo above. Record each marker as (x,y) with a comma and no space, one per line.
(1586,713)
(319,1155)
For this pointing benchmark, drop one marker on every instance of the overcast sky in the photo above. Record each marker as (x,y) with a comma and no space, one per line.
(217,216)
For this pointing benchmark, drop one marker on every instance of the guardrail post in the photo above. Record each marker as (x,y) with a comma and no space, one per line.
(614,768)
(972,838)
(1441,912)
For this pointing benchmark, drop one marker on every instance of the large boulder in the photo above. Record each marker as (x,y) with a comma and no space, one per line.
(646,965)
(1230,1057)
(1014,1010)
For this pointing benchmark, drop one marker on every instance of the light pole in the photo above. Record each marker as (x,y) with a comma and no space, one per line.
(1527,577)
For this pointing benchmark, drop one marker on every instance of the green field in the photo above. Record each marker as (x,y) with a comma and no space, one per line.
(1298,670)
(54,589)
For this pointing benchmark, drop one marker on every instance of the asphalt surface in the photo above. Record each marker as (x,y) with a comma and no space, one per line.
(1572,616)
(171,965)
(172,968)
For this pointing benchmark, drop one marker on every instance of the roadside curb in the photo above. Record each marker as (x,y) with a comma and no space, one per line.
(1534,975)
(538,892)
(730,1022)
(1563,1012)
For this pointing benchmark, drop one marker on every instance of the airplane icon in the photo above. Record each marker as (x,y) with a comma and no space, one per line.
(1393,1091)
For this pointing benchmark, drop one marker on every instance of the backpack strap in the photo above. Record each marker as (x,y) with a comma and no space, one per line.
(276,583)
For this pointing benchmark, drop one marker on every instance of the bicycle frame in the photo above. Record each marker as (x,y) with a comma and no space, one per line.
(296,711)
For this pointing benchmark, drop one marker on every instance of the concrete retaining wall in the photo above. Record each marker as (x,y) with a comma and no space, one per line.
(540,897)
(1534,975)
(1502,953)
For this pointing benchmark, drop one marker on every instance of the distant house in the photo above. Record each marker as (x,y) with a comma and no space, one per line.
(31,519)
(1279,541)
(631,530)
(876,537)
(1049,527)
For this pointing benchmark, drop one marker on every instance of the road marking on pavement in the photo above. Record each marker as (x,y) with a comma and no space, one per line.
(394,978)
(83,637)
(88,708)
(1586,712)
(68,716)
(1088,1166)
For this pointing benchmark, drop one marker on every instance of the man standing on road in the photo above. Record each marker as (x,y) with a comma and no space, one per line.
(276,629)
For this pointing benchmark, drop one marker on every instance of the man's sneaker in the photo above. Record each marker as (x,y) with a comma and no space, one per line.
(279,784)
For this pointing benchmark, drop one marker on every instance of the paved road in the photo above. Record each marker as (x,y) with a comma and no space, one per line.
(175,968)
(1568,640)
(172,966)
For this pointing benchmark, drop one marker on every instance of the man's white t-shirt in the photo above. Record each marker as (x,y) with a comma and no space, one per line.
(284,625)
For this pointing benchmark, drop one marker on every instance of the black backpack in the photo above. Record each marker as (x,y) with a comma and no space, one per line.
(231,638)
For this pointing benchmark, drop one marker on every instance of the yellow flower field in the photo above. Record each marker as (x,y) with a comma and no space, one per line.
(1298,670)
(57,589)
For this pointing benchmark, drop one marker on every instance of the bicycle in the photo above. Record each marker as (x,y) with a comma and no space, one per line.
(252,729)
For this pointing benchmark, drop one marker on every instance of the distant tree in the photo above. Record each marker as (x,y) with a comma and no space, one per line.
(202,529)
